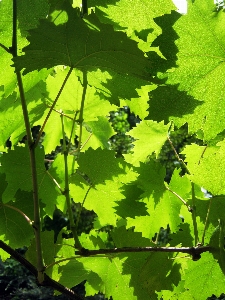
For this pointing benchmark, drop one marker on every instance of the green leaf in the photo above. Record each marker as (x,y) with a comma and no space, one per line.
(159,267)
(29,14)
(163,207)
(205,165)
(73,273)
(8,78)
(150,138)
(94,46)
(11,118)
(48,249)
(102,199)
(100,131)
(110,270)
(201,65)
(132,205)
(139,105)
(201,289)
(100,165)
(151,179)
(15,229)
(16,165)
(139,17)
(69,104)
(128,238)
(119,87)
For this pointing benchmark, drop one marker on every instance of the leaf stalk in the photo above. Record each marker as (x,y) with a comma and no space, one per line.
(66,193)
(193,208)
(82,110)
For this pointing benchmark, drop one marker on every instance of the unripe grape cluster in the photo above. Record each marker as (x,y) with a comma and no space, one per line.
(122,121)
(119,121)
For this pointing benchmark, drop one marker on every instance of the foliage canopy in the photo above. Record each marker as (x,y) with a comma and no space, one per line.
(63,71)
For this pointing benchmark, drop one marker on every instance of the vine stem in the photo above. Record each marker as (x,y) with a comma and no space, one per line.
(194,214)
(52,107)
(193,211)
(37,222)
(206,221)
(84,8)
(194,251)
(82,110)
(73,227)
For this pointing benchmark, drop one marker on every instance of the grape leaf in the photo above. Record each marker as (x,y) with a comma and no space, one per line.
(201,64)
(131,206)
(159,267)
(167,103)
(163,208)
(8,78)
(165,42)
(30,12)
(14,227)
(205,165)
(16,165)
(215,206)
(127,238)
(93,46)
(105,276)
(12,121)
(102,199)
(69,103)
(110,270)
(100,165)
(115,87)
(101,131)
(139,105)
(48,249)
(156,135)
(151,179)
(73,273)
(208,270)
(111,13)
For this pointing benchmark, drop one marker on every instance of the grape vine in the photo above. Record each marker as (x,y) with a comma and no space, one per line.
(112,147)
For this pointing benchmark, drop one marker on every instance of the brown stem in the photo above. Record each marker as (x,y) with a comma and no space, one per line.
(193,251)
